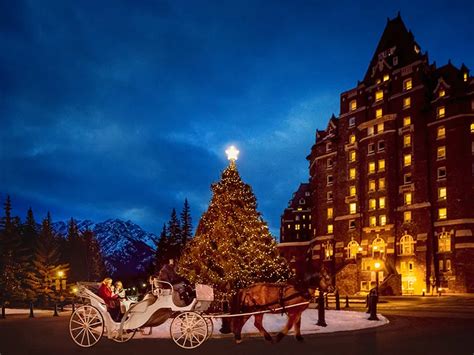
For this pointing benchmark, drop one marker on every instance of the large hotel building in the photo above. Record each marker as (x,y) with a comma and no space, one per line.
(390,194)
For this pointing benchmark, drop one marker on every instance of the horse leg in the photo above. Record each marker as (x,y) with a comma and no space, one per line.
(291,320)
(238,324)
(259,325)
(298,328)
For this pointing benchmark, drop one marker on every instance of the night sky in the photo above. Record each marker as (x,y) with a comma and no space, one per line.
(121,109)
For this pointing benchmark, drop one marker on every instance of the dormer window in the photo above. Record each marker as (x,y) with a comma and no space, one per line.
(465,76)
(353,105)
(416,48)
(352,139)
(407,85)
(379,95)
(406,102)
(386,77)
(441,93)
(302,201)
(440,112)
(352,122)
(328,146)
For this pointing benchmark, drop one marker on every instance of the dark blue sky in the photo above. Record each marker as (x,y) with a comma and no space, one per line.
(124,108)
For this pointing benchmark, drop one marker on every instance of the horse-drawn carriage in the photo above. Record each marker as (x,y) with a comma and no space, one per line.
(189,329)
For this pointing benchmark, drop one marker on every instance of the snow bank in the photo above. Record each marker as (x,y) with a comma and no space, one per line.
(337,321)
(12,311)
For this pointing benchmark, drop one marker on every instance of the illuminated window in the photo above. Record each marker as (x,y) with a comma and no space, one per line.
(440,112)
(381,146)
(441,93)
(371,148)
(371,167)
(383,220)
(472,127)
(352,249)
(352,190)
(379,95)
(441,265)
(329,195)
(406,140)
(353,105)
(372,204)
(442,193)
(407,178)
(407,245)
(352,173)
(441,132)
(407,198)
(441,152)
(372,221)
(465,76)
(304,216)
(378,113)
(442,213)
(297,227)
(328,250)
(407,216)
(378,246)
(371,185)
(297,218)
(352,224)
(381,202)
(406,102)
(329,180)
(407,160)
(382,184)
(441,172)
(444,242)
(386,77)
(407,85)
(380,128)
(352,122)
(352,156)
(330,228)
(448,265)
(406,121)
(352,138)
(352,208)
(330,212)
(381,164)
(370,131)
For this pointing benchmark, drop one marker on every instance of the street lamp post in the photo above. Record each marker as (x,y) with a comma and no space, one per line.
(377,268)
(60,275)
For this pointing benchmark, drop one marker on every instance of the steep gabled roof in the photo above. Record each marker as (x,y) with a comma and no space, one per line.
(398,41)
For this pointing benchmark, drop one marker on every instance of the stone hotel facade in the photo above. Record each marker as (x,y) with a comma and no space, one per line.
(391,178)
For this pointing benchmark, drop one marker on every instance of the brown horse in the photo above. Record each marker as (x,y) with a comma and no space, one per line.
(276,298)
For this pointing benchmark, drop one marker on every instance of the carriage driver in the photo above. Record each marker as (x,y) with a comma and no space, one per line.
(168,273)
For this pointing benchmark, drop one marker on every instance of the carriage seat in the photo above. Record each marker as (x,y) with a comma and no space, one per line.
(143,305)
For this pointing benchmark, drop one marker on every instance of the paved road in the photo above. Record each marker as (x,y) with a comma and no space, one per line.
(406,334)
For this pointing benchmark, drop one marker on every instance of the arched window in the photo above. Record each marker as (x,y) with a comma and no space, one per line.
(407,245)
(378,247)
(352,249)
(302,201)
(444,242)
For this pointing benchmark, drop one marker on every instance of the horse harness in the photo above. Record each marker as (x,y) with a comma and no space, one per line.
(281,300)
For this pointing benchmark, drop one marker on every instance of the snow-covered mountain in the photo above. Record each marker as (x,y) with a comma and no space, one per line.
(127,249)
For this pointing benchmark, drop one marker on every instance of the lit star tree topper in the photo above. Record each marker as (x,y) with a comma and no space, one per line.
(232,153)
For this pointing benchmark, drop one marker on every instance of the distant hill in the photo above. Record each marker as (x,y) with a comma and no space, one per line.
(127,249)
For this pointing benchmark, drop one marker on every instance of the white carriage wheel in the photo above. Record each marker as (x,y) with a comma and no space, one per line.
(189,330)
(86,326)
(126,335)
(210,326)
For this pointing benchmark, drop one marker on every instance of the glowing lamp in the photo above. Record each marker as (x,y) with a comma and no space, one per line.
(360,248)
(60,273)
(232,153)
(377,265)
(74,290)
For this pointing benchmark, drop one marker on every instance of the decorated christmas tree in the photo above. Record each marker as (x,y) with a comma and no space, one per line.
(233,247)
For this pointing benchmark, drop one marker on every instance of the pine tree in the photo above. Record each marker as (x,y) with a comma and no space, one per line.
(174,236)
(75,253)
(162,251)
(30,241)
(94,262)
(233,247)
(47,264)
(186,224)
(12,257)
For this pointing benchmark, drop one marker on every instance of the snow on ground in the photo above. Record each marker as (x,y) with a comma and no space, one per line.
(12,311)
(337,321)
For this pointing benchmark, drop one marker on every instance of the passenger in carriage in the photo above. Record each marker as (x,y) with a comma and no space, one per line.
(119,290)
(110,299)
